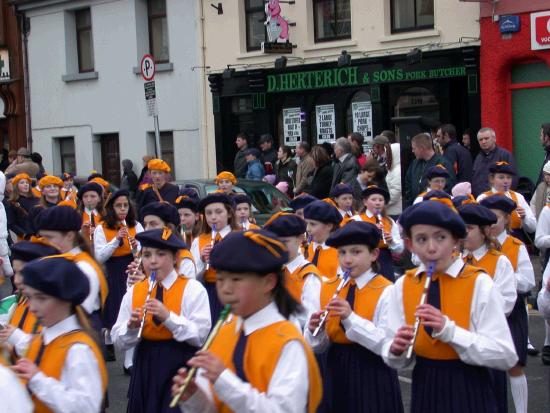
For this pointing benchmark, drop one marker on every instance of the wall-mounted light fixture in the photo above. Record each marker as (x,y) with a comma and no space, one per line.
(219,7)
(344,59)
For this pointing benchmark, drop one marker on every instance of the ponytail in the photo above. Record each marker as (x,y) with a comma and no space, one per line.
(284,301)
(84,322)
(490,241)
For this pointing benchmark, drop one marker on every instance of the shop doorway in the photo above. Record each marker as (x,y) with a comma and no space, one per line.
(110,158)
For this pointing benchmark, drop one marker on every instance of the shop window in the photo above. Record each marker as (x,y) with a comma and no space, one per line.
(158,30)
(67,154)
(359,116)
(409,15)
(242,104)
(332,20)
(255,29)
(417,101)
(84,41)
(167,149)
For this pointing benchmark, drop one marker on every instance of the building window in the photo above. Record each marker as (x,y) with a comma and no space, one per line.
(84,41)
(167,149)
(158,30)
(409,15)
(255,29)
(67,155)
(332,20)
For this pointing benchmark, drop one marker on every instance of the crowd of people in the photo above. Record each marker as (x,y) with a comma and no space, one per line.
(308,313)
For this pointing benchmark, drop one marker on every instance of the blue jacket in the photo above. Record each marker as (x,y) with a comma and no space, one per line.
(480,178)
(255,170)
(461,160)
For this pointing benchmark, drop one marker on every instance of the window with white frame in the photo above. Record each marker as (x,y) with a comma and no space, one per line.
(67,154)
(158,30)
(84,40)
(410,15)
(254,11)
(331,20)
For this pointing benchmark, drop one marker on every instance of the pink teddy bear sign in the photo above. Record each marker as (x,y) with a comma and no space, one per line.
(277,26)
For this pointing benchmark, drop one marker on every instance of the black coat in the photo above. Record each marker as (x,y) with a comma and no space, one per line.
(321,182)
(239,164)
(346,171)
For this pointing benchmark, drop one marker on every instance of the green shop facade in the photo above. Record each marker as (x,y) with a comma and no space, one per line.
(321,102)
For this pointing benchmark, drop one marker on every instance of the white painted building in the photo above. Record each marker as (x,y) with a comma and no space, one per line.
(87,96)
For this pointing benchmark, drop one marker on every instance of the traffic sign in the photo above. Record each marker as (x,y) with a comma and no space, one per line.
(151,98)
(148,67)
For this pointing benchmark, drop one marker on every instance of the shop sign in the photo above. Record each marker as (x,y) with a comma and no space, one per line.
(326,125)
(277,28)
(362,119)
(353,76)
(509,24)
(4,65)
(292,126)
(540,30)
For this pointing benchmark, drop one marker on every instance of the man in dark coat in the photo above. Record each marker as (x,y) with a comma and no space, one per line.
(545,141)
(269,153)
(458,156)
(346,167)
(239,164)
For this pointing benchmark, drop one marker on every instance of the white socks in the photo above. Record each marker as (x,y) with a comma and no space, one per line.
(129,358)
(107,335)
(518,385)
(547,338)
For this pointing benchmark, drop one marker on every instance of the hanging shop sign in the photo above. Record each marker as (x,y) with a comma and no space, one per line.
(362,119)
(326,123)
(292,126)
(540,30)
(277,28)
(353,76)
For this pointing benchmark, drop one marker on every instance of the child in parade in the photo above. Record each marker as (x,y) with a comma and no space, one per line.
(114,243)
(542,241)
(190,221)
(5,264)
(225,181)
(50,187)
(176,322)
(300,202)
(63,368)
(463,329)
(90,206)
(356,378)
(342,195)
(500,177)
(437,177)
(322,219)
(219,220)
(516,252)
(160,189)
(259,361)
(243,212)
(374,199)
(19,204)
(69,192)
(302,279)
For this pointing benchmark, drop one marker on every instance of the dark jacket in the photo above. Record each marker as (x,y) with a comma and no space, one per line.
(480,178)
(546,159)
(461,160)
(321,182)
(345,171)
(269,157)
(415,183)
(17,214)
(282,170)
(239,164)
(169,192)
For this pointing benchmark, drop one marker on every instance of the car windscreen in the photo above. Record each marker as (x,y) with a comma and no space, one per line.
(265,198)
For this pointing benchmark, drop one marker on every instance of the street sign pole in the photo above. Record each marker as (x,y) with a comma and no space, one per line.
(148,74)
(157,136)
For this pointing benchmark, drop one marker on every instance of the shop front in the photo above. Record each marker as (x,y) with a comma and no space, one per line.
(319,103)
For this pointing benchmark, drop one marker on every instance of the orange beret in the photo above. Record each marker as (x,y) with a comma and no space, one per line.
(69,203)
(101,182)
(50,180)
(15,180)
(226,175)
(158,165)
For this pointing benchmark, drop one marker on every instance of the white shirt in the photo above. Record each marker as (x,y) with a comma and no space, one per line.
(288,388)
(525,274)
(195,250)
(504,278)
(542,235)
(397,245)
(528,222)
(80,388)
(543,299)
(487,342)
(311,292)
(93,300)
(14,396)
(191,325)
(188,268)
(103,250)
(368,333)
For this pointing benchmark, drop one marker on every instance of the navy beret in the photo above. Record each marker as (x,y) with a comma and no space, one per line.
(355,232)
(500,202)
(436,194)
(463,200)
(286,225)
(341,189)
(58,277)
(252,151)
(59,218)
(241,199)
(214,197)
(301,201)
(433,213)
(437,171)
(165,211)
(475,214)
(90,186)
(256,251)
(186,201)
(190,192)
(28,251)
(117,194)
(161,238)
(373,189)
(501,167)
(322,211)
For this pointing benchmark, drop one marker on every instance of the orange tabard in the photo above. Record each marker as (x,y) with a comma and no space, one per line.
(125,249)
(262,353)
(294,282)
(365,303)
(30,324)
(54,356)
(327,263)
(488,262)
(456,300)
(183,254)
(510,248)
(103,288)
(515,220)
(171,298)
(386,222)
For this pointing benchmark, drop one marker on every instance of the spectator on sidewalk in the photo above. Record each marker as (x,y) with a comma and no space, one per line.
(23,164)
(357,140)
(239,164)
(541,196)
(145,175)
(285,167)
(322,176)
(129,178)
(545,141)
(346,167)
(305,167)
(255,170)
(459,157)
(269,153)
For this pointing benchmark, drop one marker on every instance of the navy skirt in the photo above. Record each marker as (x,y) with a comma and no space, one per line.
(216,306)
(451,386)
(357,380)
(116,280)
(499,383)
(519,327)
(155,364)
(386,264)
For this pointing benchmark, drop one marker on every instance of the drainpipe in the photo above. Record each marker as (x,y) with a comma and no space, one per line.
(204,93)
(25,27)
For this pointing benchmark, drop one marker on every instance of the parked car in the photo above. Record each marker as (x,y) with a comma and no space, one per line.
(266,199)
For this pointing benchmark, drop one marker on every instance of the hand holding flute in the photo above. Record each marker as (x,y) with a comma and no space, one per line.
(381,225)
(324,315)
(212,241)
(152,283)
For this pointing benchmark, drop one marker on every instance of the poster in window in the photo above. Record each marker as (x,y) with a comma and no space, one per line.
(326,123)
(362,119)
(292,126)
